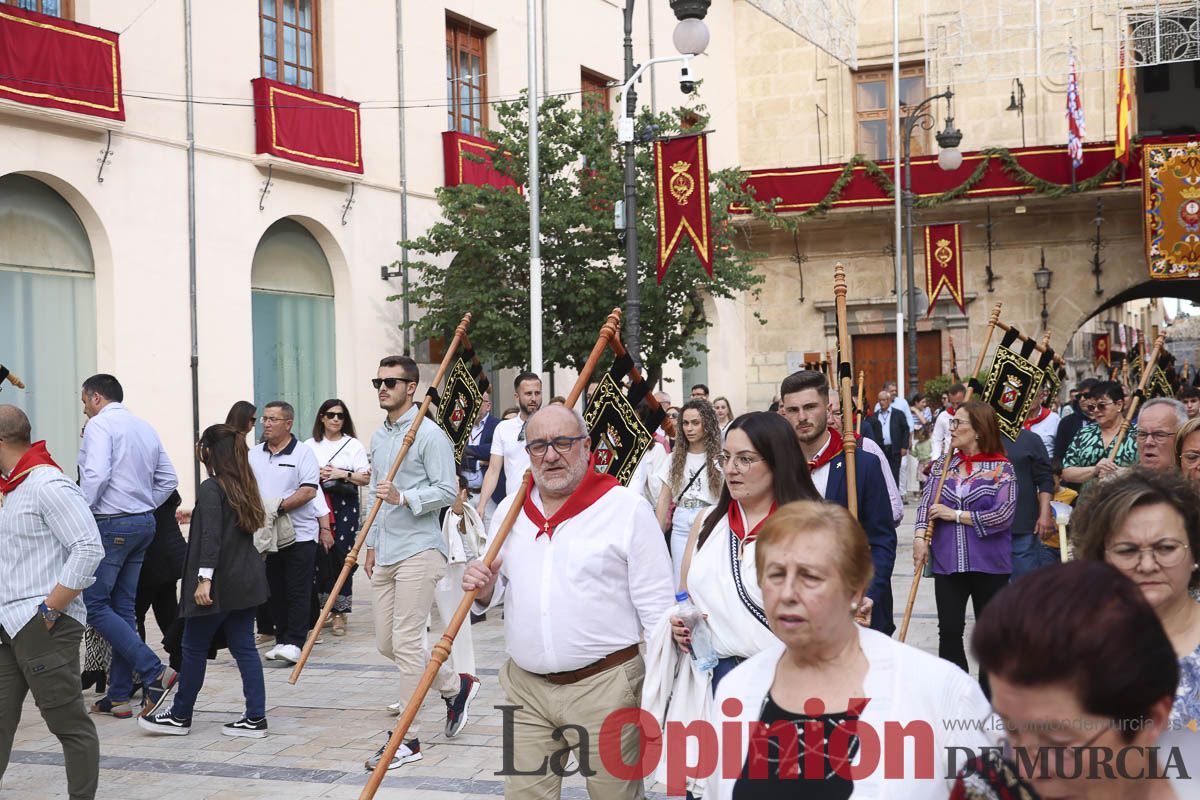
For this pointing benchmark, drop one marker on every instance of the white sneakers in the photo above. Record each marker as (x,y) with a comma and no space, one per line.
(283,652)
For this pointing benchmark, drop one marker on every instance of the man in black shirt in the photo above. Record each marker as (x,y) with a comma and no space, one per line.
(1033,518)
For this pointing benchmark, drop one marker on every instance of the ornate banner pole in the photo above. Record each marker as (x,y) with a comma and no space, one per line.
(993,323)
(441,651)
(13,379)
(862,411)
(1136,400)
(460,336)
(849,443)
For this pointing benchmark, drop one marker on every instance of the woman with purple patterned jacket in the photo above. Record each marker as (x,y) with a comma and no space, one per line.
(968,532)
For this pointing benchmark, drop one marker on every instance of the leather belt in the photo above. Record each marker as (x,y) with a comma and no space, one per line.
(102,517)
(693,503)
(608,662)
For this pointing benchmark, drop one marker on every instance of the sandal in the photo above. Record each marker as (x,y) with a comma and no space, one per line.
(339,624)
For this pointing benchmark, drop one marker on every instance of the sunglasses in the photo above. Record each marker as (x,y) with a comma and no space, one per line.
(335,415)
(389,382)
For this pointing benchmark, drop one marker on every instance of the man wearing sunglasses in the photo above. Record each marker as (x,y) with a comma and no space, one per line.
(406,552)
(1072,423)
(583,574)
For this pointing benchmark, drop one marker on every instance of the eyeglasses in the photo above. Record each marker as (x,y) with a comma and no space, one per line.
(1158,436)
(1167,552)
(954,423)
(390,382)
(561,444)
(265,420)
(741,461)
(1191,457)
(335,415)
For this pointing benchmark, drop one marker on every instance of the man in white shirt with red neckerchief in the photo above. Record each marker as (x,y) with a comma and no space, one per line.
(1043,421)
(583,575)
(508,441)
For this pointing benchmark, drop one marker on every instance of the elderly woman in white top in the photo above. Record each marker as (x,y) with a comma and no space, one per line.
(827,677)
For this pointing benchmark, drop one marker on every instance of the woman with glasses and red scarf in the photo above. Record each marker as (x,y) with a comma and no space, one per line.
(344,468)
(965,532)
(1087,458)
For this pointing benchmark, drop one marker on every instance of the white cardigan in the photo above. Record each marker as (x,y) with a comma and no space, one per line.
(904,685)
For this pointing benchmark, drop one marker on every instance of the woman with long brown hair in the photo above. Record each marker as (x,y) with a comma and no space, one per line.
(224,582)
(691,479)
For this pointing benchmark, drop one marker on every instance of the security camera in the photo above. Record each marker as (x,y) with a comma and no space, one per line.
(686,84)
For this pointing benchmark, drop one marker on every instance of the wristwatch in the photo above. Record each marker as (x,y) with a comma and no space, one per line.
(958,516)
(203,579)
(49,614)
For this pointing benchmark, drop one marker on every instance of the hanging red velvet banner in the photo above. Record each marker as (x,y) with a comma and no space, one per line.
(56,63)
(1102,350)
(307,127)
(681,175)
(460,168)
(943,264)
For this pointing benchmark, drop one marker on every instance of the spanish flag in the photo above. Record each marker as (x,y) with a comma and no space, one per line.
(1124,145)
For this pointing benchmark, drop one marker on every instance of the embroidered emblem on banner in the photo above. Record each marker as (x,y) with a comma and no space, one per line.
(459,406)
(943,265)
(1171,195)
(1010,389)
(682,184)
(619,440)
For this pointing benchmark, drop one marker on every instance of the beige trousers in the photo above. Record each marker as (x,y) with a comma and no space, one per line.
(402,597)
(546,708)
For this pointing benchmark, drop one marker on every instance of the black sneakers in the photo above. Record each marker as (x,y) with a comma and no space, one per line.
(247,728)
(165,724)
(457,707)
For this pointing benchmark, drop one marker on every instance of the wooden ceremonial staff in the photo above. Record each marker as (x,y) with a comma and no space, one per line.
(862,412)
(993,323)
(849,443)
(1136,400)
(13,379)
(635,377)
(441,651)
(460,336)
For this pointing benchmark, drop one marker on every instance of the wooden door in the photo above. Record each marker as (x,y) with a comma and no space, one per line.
(875,355)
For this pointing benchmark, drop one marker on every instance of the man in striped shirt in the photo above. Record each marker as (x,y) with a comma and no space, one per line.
(49,550)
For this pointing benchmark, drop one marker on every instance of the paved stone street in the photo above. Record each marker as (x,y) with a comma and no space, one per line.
(324,727)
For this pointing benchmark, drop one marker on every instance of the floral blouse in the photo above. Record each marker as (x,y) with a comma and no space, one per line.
(1087,448)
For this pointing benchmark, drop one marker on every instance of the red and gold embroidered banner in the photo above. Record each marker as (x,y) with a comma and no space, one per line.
(681,175)
(943,264)
(460,168)
(1102,350)
(307,127)
(56,63)
(1171,192)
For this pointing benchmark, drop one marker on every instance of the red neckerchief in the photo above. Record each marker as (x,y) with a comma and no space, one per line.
(968,461)
(36,456)
(593,486)
(738,525)
(828,453)
(1029,423)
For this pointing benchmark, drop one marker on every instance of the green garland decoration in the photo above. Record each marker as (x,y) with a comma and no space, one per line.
(1008,163)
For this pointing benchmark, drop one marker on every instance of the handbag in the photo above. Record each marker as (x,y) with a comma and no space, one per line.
(339,486)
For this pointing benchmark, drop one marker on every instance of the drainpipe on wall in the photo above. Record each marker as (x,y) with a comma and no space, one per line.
(191,191)
(404,310)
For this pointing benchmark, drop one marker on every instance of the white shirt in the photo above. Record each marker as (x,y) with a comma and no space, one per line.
(345,453)
(1047,429)
(591,589)
(941,435)
(645,480)
(820,477)
(279,475)
(885,418)
(699,488)
(508,442)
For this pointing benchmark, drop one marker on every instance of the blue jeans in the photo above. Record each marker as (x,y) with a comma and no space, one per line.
(110,601)
(198,633)
(1030,554)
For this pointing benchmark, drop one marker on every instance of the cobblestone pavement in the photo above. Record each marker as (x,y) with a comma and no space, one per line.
(323,728)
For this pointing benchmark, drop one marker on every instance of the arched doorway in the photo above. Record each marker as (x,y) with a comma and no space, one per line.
(292,306)
(47,310)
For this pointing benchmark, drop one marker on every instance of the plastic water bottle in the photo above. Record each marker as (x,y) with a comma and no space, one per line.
(703,652)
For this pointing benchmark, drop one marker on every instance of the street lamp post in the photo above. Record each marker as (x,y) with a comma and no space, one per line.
(690,37)
(949,159)
(1041,279)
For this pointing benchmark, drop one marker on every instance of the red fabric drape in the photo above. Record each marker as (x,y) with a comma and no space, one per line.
(943,264)
(56,63)
(460,169)
(307,127)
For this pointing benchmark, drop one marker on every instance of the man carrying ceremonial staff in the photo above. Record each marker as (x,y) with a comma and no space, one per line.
(583,574)
(805,403)
(406,551)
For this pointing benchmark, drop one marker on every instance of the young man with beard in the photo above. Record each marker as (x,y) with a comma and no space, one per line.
(508,441)
(406,551)
(805,403)
(583,575)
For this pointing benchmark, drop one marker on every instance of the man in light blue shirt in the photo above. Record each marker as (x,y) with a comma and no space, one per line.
(124,474)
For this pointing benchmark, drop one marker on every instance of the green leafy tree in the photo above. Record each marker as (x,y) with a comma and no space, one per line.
(476,258)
